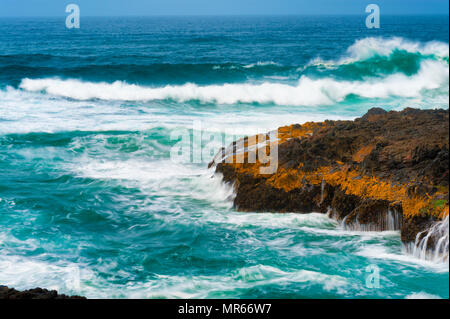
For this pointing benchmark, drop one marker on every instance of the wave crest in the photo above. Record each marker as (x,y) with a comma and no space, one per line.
(367,48)
(307,92)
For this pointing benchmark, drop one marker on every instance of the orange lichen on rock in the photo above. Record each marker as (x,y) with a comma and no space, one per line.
(362,153)
(383,171)
(298,131)
(354,183)
(407,162)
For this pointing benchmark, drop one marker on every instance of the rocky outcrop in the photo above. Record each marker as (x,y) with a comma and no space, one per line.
(37,293)
(383,171)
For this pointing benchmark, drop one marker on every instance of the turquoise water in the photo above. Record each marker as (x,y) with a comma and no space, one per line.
(92,203)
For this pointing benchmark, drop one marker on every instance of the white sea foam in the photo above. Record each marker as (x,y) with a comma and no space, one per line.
(382,252)
(26,272)
(366,48)
(362,235)
(308,92)
(133,170)
(272,220)
(225,285)
(170,179)
(23,112)
(422,295)
(164,177)
(265,63)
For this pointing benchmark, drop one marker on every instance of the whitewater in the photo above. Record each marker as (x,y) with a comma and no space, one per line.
(91,202)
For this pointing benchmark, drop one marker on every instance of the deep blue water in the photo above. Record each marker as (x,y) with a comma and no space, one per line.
(92,203)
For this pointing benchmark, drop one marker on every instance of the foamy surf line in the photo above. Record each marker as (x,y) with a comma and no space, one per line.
(308,92)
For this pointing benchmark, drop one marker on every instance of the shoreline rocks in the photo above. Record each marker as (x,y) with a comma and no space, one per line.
(383,171)
(36,293)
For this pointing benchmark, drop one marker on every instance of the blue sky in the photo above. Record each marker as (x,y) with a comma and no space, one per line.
(18,8)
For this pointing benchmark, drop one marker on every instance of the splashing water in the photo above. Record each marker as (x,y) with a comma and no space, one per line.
(432,244)
(388,221)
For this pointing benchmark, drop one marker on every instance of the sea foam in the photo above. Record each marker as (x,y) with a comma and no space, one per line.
(370,47)
(307,92)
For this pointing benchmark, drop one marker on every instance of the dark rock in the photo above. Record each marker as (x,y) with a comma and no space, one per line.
(36,293)
(415,225)
(373,112)
(409,149)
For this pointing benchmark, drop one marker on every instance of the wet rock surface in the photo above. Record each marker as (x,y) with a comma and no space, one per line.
(36,293)
(383,171)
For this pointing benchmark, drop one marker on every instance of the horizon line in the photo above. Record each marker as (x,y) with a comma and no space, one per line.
(229,15)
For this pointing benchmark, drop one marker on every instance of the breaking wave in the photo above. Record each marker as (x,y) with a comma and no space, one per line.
(432,75)
(367,48)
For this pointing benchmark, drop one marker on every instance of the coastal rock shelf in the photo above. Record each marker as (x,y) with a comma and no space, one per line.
(383,171)
(36,293)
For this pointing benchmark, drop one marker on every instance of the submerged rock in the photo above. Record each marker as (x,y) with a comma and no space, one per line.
(37,293)
(383,171)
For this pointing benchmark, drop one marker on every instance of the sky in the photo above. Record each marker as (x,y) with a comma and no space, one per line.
(46,8)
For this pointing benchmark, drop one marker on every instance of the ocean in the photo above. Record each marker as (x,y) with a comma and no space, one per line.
(92,202)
